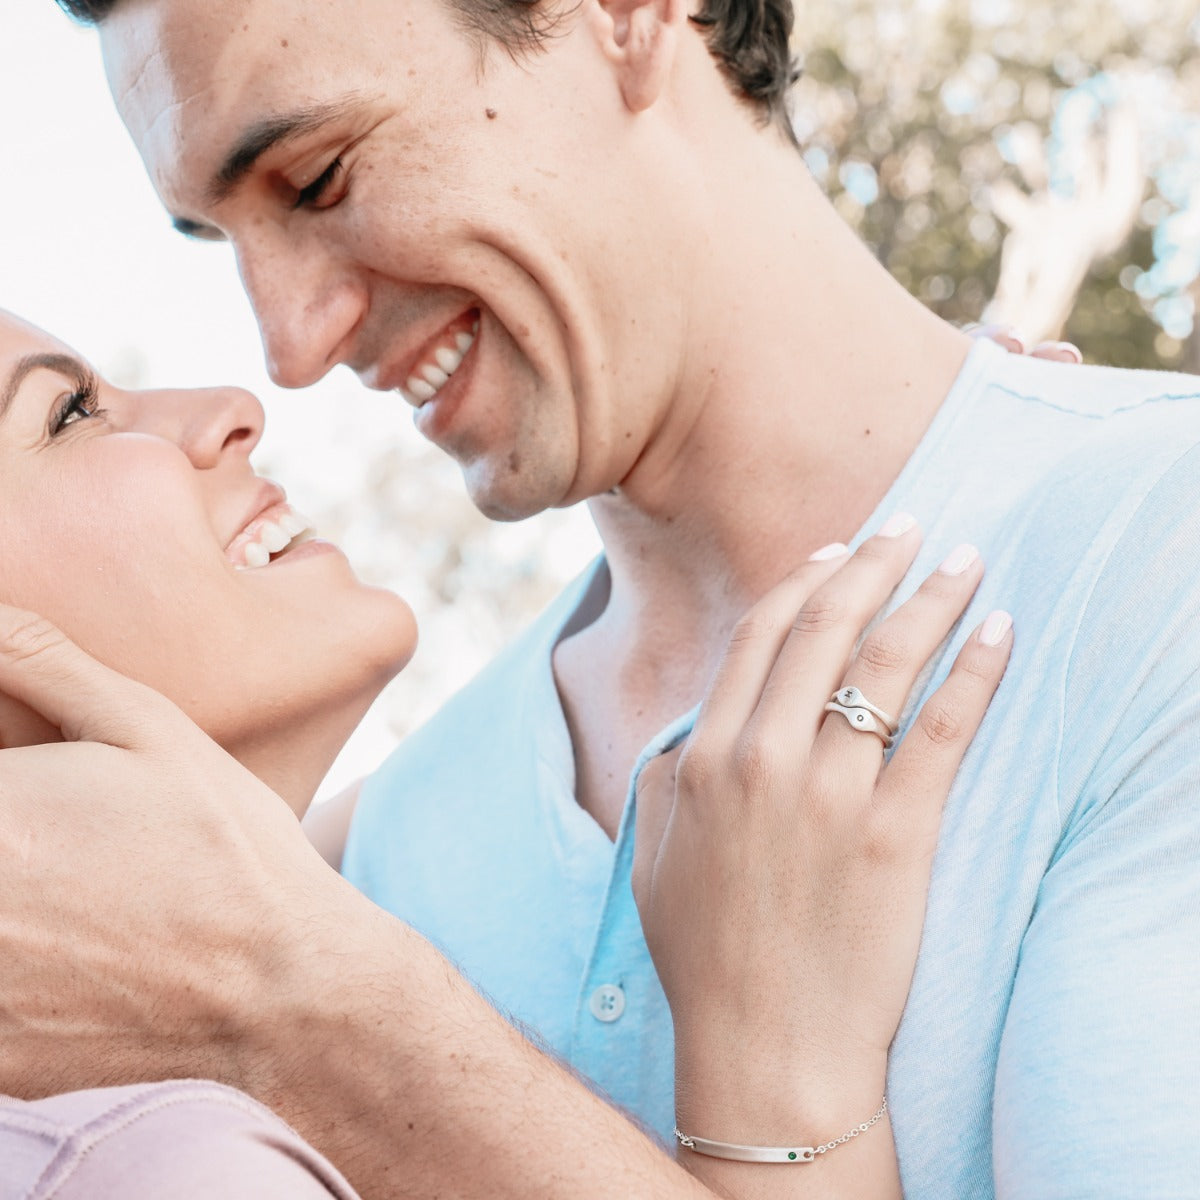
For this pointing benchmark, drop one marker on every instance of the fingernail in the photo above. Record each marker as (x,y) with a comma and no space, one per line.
(833,550)
(958,560)
(1012,334)
(897,524)
(995,629)
(1068,348)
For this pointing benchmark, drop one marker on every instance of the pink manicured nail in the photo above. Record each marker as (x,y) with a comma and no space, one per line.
(1009,333)
(897,524)
(833,550)
(1069,349)
(995,629)
(958,560)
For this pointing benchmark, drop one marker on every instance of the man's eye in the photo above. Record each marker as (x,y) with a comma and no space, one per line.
(311,196)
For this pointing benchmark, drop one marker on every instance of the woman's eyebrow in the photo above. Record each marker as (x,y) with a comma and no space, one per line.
(64,364)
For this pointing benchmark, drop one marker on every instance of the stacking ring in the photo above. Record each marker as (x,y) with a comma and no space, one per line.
(862,715)
(851,697)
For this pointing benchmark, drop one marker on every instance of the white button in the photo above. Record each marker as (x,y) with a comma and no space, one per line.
(607,1002)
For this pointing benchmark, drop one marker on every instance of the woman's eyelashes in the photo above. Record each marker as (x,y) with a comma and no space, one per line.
(317,194)
(76,406)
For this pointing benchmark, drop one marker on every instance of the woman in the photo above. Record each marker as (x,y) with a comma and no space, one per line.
(136,524)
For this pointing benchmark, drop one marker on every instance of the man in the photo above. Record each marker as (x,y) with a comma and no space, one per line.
(654,309)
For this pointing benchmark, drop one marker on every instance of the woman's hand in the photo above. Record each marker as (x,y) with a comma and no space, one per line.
(781,870)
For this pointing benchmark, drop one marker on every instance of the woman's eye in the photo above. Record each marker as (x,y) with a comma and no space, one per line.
(319,190)
(72,409)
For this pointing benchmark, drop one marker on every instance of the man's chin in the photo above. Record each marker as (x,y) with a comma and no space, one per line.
(511,495)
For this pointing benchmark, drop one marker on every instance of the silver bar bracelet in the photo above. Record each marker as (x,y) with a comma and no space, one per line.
(772,1154)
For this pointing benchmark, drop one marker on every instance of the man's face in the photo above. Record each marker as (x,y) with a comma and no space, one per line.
(479,233)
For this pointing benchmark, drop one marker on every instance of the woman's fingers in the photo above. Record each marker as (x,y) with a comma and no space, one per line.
(917,780)
(890,661)
(812,661)
(754,645)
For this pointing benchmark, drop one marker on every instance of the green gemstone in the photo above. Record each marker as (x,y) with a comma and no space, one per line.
(791,1154)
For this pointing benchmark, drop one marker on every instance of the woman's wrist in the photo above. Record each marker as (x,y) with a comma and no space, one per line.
(751,1099)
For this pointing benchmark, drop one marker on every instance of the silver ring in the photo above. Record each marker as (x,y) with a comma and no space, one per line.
(861,720)
(851,697)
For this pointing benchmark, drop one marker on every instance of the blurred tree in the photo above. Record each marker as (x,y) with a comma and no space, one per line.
(1044,158)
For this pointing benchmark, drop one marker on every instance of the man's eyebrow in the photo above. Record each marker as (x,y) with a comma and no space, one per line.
(64,364)
(264,135)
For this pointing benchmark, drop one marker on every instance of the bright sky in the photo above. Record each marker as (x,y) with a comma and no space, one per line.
(89,254)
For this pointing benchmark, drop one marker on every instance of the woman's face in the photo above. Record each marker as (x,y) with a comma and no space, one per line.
(133,521)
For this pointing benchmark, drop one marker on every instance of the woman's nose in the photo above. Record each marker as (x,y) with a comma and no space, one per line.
(208,424)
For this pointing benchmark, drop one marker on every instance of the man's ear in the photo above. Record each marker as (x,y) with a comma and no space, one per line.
(640,37)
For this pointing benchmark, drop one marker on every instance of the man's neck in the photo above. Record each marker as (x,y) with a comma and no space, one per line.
(812,376)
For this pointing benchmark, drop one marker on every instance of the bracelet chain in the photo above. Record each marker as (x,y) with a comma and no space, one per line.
(853,1132)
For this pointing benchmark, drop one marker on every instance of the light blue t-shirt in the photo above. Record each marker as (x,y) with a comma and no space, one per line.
(1051,1043)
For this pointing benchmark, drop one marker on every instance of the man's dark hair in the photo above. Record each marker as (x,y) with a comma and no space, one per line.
(749,38)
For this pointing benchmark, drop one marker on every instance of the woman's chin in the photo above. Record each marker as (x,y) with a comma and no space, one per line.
(287,722)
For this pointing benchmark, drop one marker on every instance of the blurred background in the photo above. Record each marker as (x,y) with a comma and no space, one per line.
(1008,160)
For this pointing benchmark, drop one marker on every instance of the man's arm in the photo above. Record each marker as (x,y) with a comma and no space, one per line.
(163,916)
(383,1057)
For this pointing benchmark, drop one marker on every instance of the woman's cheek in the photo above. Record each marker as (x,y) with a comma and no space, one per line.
(114,562)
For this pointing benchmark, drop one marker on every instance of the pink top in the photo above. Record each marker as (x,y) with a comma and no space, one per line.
(183,1139)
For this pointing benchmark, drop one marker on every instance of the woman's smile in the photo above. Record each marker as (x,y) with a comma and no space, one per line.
(136,523)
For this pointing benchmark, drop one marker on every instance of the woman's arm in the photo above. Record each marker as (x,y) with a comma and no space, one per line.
(782,869)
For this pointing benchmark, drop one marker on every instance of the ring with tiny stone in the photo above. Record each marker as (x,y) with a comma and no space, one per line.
(851,697)
(862,720)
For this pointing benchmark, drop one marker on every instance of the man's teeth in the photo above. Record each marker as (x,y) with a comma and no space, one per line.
(431,376)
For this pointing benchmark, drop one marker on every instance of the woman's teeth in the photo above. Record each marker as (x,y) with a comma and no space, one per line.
(271,536)
(433,374)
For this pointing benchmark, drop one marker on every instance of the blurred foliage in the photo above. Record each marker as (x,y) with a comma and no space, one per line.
(908,113)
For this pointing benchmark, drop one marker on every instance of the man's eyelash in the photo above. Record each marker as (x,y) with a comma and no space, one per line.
(85,399)
(311,194)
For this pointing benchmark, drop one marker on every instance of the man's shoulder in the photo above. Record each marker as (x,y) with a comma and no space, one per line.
(1101,444)
(1098,395)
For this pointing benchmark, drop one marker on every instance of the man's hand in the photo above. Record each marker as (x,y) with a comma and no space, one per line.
(162,915)
(145,879)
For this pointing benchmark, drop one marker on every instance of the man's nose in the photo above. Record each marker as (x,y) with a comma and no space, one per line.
(208,424)
(307,310)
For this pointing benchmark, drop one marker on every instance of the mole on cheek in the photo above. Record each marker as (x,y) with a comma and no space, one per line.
(490,113)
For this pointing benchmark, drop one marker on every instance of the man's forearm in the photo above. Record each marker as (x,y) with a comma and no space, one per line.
(394,1067)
